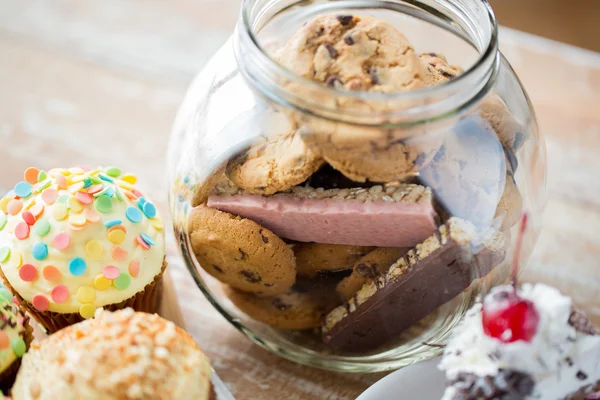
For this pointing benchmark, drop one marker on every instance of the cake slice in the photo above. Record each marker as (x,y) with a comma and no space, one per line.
(529,344)
(400,215)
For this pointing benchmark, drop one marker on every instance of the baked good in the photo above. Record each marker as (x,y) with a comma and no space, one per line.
(525,344)
(241,253)
(76,240)
(438,69)
(15,338)
(124,355)
(315,258)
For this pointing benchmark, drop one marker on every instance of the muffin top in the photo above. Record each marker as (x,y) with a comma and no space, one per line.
(122,355)
(73,240)
(13,330)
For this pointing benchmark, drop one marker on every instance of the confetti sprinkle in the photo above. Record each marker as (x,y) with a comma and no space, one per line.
(113,171)
(22,231)
(148,239)
(78,220)
(42,227)
(18,346)
(51,273)
(111,223)
(61,181)
(95,189)
(111,272)
(59,294)
(14,206)
(59,211)
(86,294)
(40,302)
(37,210)
(134,268)
(39,251)
(87,311)
(122,282)
(119,227)
(62,241)
(4,340)
(49,196)
(91,215)
(101,283)
(4,203)
(141,201)
(142,243)
(116,236)
(63,199)
(4,254)
(84,198)
(77,266)
(28,217)
(6,294)
(133,214)
(105,178)
(94,248)
(74,205)
(137,193)
(87,183)
(129,178)
(118,253)
(149,210)
(31,175)
(23,189)
(28,273)
(3,220)
(103,204)
(41,176)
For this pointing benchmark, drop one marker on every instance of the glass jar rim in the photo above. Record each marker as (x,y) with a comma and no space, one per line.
(480,70)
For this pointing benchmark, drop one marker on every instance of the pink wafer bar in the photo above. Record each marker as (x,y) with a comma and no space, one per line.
(372,220)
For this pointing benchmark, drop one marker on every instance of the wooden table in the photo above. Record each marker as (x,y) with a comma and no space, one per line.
(98,82)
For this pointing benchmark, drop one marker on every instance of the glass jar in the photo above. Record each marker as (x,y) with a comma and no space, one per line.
(344,228)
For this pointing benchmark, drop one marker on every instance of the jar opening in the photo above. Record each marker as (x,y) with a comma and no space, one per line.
(470,22)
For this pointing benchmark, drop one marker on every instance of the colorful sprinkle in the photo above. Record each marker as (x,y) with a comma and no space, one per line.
(113,171)
(133,214)
(118,253)
(14,206)
(59,211)
(148,239)
(37,209)
(141,201)
(111,272)
(31,175)
(42,227)
(28,273)
(39,251)
(87,183)
(142,243)
(40,302)
(3,220)
(51,273)
(87,310)
(4,203)
(122,282)
(137,193)
(95,189)
(63,199)
(84,198)
(62,241)
(6,294)
(61,181)
(77,220)
(111,223)
(4,340)
(149,210)
(60,294)
(4,254)
(49,196)
(22,231)
(91,215)
(41,175)
(110,191)
(18,346)
(86,294)
(101,283)
(105,177)
(103,204)
(130,178)
(116,236)
(134,268)
(94,248)
(75,205)
(28,217)
(77,266)
(119,227)
(23,189)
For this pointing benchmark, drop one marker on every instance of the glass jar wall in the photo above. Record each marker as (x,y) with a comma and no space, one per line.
(346,176)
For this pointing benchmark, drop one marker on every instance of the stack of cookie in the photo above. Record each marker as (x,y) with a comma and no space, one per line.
(342,231)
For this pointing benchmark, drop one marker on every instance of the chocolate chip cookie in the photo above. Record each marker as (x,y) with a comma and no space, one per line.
(302,307)
(274,165)
(508,129)
(438,69)
(313,258)
(368,268)
(241,253)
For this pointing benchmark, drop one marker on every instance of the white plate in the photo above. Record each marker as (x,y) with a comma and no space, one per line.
(422,381)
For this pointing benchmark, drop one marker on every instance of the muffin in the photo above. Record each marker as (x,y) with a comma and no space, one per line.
(15,338)
(73,240)
(123,355)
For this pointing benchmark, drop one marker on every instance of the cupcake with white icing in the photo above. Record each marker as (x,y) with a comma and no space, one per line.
(74,240)
(529,344)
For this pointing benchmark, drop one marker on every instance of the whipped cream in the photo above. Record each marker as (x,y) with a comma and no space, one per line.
(560,359)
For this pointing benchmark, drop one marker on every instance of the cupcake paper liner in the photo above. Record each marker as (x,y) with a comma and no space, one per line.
(146,300)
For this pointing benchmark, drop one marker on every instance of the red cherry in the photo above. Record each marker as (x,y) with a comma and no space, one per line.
(508,318)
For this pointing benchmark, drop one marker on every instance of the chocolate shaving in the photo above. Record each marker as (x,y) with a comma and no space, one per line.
(506,384)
